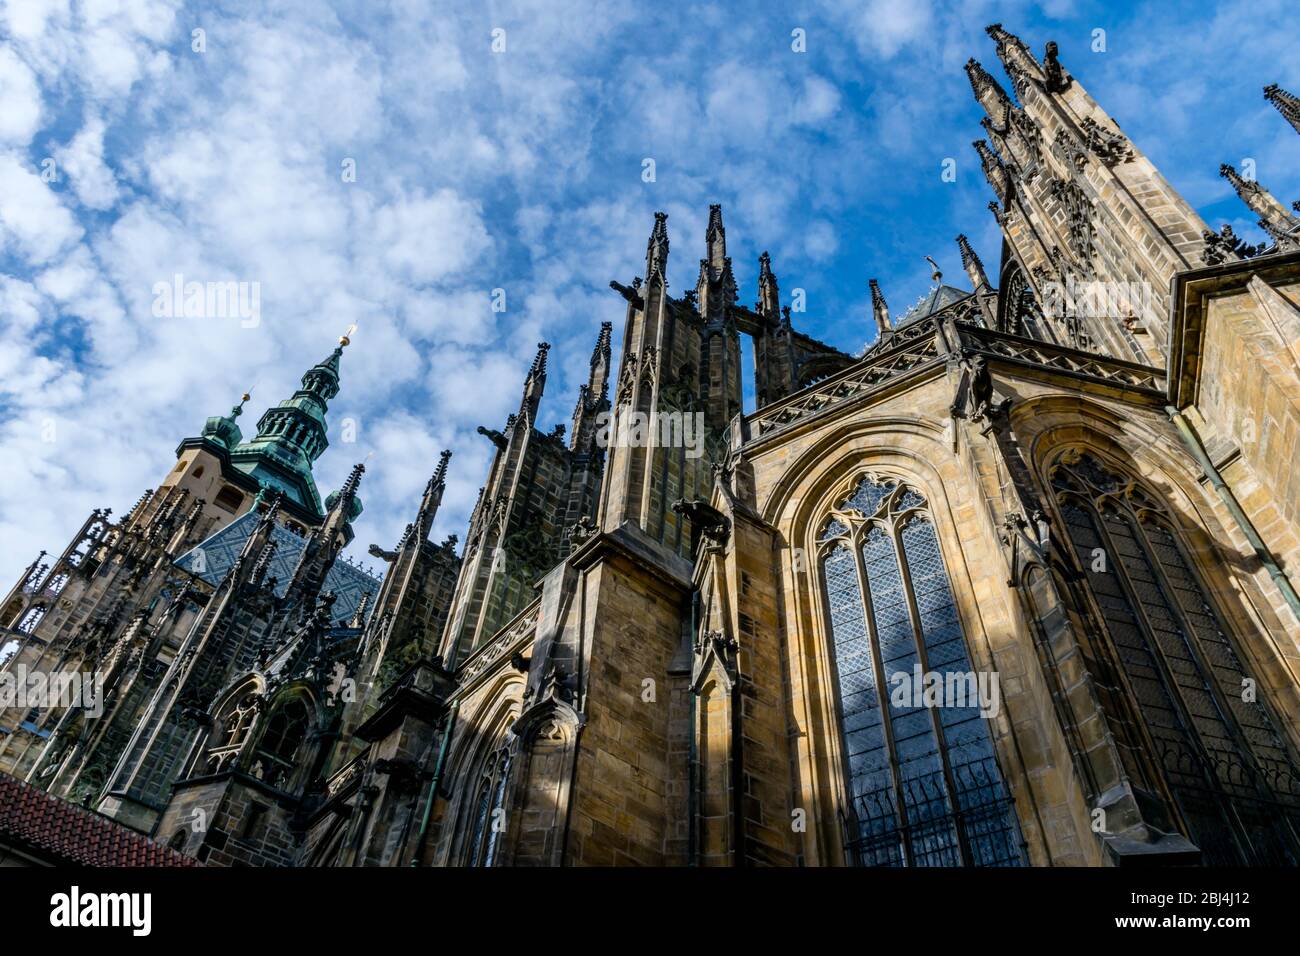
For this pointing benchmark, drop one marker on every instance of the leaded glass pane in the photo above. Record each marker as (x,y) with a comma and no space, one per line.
(834,529)
(498,802)
(987,816)
(869,495)
(870,782)
(481,812)
(1238,803)
(918,799)
(910,499)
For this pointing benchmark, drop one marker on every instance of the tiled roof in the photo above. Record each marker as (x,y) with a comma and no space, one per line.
(937,298)
(348,581)
(63,833)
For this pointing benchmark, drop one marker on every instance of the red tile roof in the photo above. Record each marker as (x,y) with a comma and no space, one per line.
(63,833)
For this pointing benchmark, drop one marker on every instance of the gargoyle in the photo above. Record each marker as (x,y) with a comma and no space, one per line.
(495,436)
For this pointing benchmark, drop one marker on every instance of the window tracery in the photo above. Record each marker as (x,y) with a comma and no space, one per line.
(925,788)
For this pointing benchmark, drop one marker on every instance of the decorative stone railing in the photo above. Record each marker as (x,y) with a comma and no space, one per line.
(502,645)
(910,347)
(1000,345)
(934,340)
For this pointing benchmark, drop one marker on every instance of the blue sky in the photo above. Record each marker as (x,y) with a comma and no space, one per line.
(518,170)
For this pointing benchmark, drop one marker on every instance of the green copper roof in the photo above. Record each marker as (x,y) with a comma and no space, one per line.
(222,428)
(290,436)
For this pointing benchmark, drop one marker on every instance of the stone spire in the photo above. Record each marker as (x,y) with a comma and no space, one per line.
(656,253)
(880,311)
(593,396)
(715,238)
(994,170)
(534,384)
(971,263)
(1016,58)
(988,92)
(324,543)
(1287,104)
(344,505)
(716,287)
(769,294)
(432,499)
(1273,216)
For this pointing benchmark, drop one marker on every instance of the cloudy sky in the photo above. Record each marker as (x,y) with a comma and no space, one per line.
(133,148)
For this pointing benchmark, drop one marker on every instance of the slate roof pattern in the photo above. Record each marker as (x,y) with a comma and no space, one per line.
(348,581)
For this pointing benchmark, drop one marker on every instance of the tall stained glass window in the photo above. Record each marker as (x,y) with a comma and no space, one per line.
(924,784)
(1230,772)
(489,800)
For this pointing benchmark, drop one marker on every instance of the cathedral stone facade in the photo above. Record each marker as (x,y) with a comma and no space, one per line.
(1016,586)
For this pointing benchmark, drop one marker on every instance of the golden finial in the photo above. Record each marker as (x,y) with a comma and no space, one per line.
(346,338)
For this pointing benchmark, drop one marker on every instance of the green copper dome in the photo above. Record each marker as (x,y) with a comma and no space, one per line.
(222,429)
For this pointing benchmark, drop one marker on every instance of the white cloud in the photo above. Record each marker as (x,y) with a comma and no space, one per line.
(21,116)
(427,238)
(83,161)
(33,223)
(476,171)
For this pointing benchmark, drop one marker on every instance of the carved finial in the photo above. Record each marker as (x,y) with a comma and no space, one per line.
(353,480)
(1287,104)
(656,255)
(1275,220)
(440,475)
(879,309)
(971,263)
(715,238)
(769,296)
(988,91)
(601,351)
(994,171)
(539,360)
(1015,56)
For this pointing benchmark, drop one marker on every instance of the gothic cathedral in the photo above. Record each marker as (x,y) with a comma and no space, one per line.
(1014,587)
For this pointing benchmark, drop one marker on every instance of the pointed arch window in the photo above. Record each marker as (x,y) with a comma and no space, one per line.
(277,752)
(924,784)
(489,805)
(1229,770)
